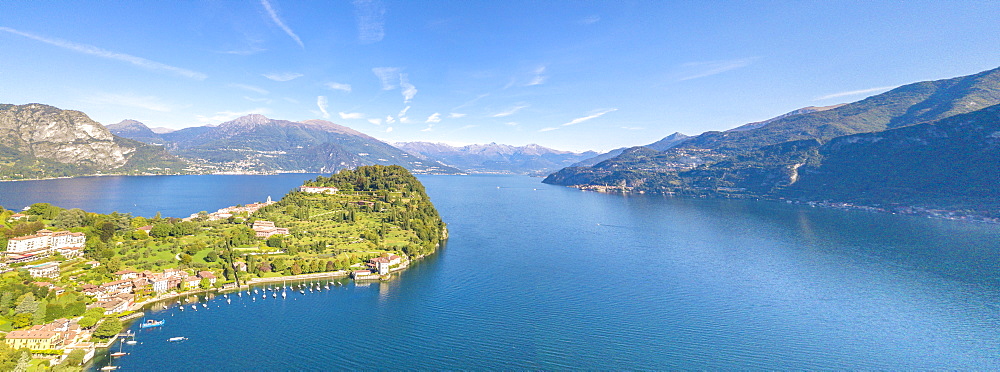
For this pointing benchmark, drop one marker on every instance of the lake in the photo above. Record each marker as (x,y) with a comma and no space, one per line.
(544,277)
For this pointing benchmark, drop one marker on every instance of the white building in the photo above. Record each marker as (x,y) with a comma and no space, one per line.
(45,270)
(45,241)
(318,190)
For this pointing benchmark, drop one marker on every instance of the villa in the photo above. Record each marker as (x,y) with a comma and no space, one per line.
(43,243)
(265,229)
(45,270)
(318,190)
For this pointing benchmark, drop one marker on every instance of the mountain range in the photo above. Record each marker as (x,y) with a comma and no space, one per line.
(41,141)
(496,158)
(257,143)
(925,141)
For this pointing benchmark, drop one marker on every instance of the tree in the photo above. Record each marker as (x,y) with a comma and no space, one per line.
(88,321)
(44,210)
(21,320)
(26,304)
(105,230)
(296,269)
(70,218)
(212,256)
(108,328)
(161,230)
(275,241)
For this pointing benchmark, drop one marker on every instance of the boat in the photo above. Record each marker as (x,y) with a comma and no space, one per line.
(118,354)
(204,305)
(194,307)
(177,339)
(274,294)
(150,323)
(229,301)
(131,342)
(109,368)
(284,294)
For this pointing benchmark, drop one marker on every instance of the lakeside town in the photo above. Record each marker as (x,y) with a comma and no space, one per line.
(75,286)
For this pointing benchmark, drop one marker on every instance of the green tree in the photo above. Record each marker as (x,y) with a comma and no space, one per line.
(44,210)
(161,230)
(108,328)
(296,269)
(21,320)
(26,304)
(70,218)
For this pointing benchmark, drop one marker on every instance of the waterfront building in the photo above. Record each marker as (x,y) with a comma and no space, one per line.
(127,274)
(34,340)
(384,263)
(207,275)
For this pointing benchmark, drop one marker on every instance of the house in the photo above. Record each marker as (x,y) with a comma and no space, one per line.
(127,274)
(34,340)
(207,275)
(318,190)
(112,305)
(45,270)
(160,284)
(17,216)
(146,228)
(191,282)
(383,263)
(93,264)
(265,229)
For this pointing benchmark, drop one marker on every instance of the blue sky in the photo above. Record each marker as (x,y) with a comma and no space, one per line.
(572,75)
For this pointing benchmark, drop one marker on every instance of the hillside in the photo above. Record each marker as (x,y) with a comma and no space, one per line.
(907,105)
(496,158)
(40,141)
(257,143)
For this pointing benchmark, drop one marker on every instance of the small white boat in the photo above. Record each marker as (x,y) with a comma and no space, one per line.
(194,307)
(229,300)
(204,305)
(109,368)
(131,342)
(274,294)
(177,339)
(118,354)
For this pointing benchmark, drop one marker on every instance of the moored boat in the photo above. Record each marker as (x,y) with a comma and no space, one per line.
(150,323)
(177,339)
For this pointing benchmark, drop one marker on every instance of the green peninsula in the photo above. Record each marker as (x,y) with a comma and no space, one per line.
(70,269)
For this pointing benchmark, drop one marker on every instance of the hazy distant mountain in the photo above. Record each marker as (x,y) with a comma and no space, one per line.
(801,111)
(257,143)
(40,141)
(496,158)
(161,130)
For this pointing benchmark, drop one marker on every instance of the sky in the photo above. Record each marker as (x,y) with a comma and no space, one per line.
(570,75)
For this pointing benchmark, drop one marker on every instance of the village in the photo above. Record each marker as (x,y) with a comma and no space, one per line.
(55,263)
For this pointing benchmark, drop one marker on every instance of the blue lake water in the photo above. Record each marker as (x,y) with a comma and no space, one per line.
(544,277)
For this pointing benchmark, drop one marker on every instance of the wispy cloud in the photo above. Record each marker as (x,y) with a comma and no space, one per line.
(282,76)
(339,86)
(388,130)
(402,113)
(405,120)
(429,128)
(251,88)
(370,15)
(351,115)
(435,118)
(144,102)
(470,126)
(281,23)
(225,116)
(589,20)
(695,70)
(510,111)
(854,93)
(470,102)
(580,120)
(633,128)
(323,104)
(455,115)
(408,89)
(95,51)
(539,78)
(291,100)
(387,76)
(389,119)
(244,52)
(375,121)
